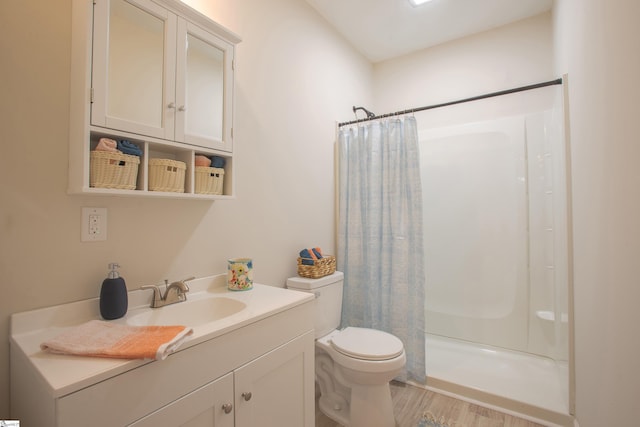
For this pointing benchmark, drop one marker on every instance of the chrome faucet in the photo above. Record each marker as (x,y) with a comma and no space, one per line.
(173,293)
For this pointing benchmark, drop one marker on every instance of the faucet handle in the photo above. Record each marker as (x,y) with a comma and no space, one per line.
(180,286)
(156,290)
(183,285)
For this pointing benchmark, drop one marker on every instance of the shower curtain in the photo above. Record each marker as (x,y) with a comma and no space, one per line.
(380,248)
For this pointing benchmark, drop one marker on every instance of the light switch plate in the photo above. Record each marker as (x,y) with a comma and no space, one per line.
(94,224)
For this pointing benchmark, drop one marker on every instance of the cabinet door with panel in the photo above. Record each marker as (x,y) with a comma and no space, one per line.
(204,88)
(208,406)
(276,389)
(133,67)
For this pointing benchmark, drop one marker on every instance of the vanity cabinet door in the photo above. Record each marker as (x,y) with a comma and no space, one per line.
(204,88)
(209,406)
(133,68)
(277,389)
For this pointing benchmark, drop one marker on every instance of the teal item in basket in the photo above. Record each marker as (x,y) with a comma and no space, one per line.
(217,162)
(130,148)
(309,255)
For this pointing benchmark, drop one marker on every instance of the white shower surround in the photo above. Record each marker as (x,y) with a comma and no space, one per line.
(495,194)
(475,234)
(495,233)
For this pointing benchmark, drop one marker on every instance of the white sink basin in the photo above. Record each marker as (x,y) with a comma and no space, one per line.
(189,313)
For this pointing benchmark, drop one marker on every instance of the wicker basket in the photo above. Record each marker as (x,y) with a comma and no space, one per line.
(209,180)
(166,175)
(113,170)
(320,268)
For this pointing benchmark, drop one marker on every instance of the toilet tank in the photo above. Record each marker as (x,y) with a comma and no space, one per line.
(328,302)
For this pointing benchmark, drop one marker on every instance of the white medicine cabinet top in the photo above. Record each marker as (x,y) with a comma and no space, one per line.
(157,74)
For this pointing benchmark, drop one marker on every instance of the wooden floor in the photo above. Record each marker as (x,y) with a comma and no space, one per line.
(410,403)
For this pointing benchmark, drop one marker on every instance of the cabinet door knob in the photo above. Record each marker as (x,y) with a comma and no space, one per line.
(227,407)
(171,105)
(182,108)
(246,396)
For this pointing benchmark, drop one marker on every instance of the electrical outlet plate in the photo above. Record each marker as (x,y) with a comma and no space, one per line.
(94,224)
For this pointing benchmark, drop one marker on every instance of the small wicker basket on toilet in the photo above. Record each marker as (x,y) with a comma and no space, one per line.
(166,175)
(113,170)
(318,267)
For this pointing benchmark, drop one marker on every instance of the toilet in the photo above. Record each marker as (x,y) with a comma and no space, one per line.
(353,366)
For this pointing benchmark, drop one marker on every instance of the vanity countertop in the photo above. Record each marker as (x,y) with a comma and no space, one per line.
(65,374)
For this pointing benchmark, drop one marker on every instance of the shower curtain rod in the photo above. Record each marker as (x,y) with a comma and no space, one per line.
(372,116)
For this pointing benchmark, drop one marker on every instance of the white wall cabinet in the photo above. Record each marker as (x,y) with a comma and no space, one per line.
(154,72)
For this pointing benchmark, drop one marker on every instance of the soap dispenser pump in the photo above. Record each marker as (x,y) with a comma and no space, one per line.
(113,295)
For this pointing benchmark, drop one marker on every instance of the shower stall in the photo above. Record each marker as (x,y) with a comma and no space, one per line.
(497,255)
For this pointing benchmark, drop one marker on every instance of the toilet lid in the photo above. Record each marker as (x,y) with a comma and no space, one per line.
(367,344)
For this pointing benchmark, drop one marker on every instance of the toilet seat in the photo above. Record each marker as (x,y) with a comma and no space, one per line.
(367,344)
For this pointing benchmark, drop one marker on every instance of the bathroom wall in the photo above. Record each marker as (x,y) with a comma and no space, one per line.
(295,78)
(510,56)
(597,43)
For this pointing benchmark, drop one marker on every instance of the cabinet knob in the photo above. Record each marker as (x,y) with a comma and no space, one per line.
(171,105)
(227,407)
(246,396)
(182,108)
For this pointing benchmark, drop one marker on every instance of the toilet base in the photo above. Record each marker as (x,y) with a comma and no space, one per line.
(371,406)
(334,397)
(338,413)
(355,405)
(368,407)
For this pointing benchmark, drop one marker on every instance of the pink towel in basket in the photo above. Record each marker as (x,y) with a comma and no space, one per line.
(106,339)
(202,161)
(107,144)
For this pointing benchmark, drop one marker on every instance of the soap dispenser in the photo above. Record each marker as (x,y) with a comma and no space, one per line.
(113,295)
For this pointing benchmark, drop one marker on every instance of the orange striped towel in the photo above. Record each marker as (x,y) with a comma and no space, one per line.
(105,339)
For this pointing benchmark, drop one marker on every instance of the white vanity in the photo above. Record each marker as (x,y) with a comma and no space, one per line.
(249,362)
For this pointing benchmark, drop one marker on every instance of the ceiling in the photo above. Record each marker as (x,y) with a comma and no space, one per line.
(384,29)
